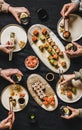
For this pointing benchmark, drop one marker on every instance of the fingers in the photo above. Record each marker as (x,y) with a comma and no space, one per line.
(64,9)
(9,79)
(17,18)
(76,44)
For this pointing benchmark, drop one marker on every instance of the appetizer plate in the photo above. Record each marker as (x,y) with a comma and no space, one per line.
(20,36)
(43,53)
(41,91)
(15,91)
(75,24)
(63,97)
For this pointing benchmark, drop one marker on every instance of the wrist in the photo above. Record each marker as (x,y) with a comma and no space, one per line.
(10,9)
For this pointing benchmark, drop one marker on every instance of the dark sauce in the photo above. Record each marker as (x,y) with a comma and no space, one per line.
(21,100)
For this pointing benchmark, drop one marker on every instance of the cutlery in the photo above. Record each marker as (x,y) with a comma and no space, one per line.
(11,110)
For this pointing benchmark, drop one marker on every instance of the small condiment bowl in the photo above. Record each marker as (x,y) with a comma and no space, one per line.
(50,76)
(29,62)
(21,102)
(16,78)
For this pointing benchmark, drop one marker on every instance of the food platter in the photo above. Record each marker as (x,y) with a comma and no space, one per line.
(42,92)
(48,48)
(75,24)
(15,91)
(63,95)
(20,36)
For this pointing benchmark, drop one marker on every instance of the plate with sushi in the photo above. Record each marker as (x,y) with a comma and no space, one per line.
(42,92)
(48,48)
(15,34)
(74,27)
(17,94)
(68,93)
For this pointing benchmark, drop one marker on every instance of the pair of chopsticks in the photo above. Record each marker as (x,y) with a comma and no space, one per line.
(61,75)
(66,24)
(11,110)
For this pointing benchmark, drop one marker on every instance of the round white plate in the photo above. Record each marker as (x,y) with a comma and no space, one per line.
(20,35)
(75,25)
(44,55)
(64,98)
(8,92)
(33,78)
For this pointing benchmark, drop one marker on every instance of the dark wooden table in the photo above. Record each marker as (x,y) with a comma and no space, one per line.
(46,120)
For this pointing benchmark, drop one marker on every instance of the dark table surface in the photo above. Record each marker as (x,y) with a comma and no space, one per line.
(46,120)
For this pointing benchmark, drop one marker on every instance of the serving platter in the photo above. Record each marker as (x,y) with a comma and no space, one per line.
(15,91)
(20,36)
(75,24)
(53,53)
(45,95)
(62,94)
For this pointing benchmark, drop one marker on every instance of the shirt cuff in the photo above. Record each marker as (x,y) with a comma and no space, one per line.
(77,75)
(80,112)
(75,1)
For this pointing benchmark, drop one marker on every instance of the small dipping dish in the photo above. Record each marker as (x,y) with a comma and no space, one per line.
(16,78)
(25,18)
(64,111)
(50,76)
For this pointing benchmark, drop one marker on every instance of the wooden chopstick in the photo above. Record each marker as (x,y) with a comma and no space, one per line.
(61,76)
(11,110)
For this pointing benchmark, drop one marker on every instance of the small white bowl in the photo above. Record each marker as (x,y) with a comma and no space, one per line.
(31,68)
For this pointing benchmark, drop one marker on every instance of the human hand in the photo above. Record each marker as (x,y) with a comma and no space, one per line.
(7,73)
(6,47)
(67,78)
(68,8)
(75,113)
(6,122)
(16,11)
(71,53)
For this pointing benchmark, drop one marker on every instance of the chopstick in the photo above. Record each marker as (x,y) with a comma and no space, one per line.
(11,110)
(11,55)
(66,27)
(61,76)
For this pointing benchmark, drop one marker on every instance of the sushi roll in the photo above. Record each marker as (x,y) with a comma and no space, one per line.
(41,47)
(61,54)
(42,38)
(36,32)
(63,64)
(34,39)
(66,34)
(44,31)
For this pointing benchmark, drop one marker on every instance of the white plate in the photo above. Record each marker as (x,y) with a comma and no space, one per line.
(6,93)
(44,55)
(49,91)
(75,25)
(64,98)
(19,33)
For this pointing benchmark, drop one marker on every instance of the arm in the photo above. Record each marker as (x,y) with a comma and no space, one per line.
(15,11)
(6,122)
(79,2)
(78,75)
(7,73)
(4,6)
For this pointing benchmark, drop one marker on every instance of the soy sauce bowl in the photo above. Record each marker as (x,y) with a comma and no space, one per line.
(29,61)
(25,18)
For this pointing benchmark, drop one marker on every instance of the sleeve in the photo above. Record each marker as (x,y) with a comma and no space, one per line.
(79,2)
(78,75)
(76,1)
(80,112)
(4,6)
